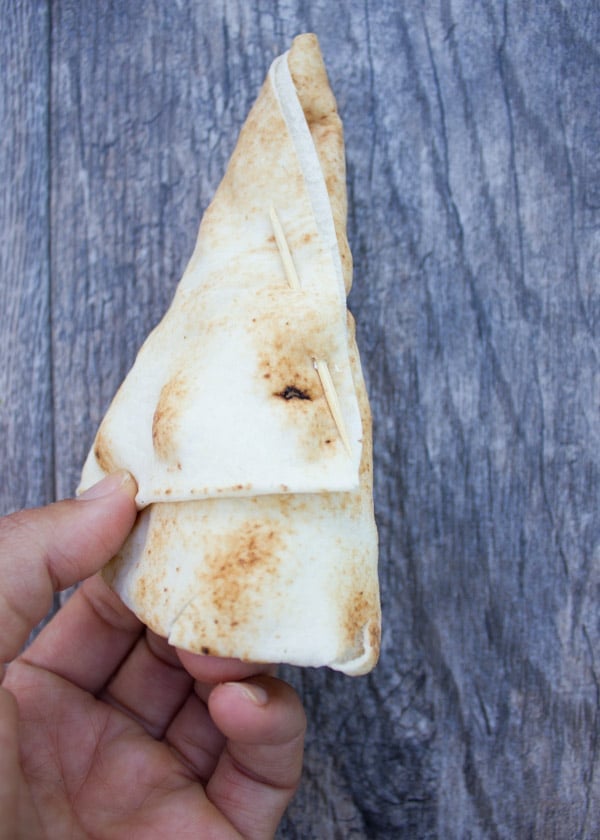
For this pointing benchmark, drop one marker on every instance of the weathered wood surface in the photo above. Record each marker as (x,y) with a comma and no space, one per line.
(474,180)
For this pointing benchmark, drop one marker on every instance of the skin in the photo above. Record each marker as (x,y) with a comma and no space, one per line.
(105,730)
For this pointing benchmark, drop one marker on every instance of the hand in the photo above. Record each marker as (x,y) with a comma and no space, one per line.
(105,730)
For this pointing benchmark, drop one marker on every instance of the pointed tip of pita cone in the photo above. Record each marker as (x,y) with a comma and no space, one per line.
(309,74)
(316,97)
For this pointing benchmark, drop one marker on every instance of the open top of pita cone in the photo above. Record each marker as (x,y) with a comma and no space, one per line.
(232,393)
(245,418)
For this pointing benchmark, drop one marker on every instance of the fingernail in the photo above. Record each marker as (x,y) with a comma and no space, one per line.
(110,484)
(255,693)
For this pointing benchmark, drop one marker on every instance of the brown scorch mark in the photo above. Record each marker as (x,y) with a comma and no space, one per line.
(290,392)
(286,374)
(358,615)
(166,416)
(234,577)
(102,452)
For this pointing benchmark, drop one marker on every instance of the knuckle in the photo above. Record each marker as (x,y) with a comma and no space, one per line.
(18,535)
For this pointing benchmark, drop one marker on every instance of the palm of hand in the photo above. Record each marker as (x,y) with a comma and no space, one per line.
(93,771)
(141,749)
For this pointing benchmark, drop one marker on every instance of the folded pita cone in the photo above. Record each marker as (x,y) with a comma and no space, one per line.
(245,419)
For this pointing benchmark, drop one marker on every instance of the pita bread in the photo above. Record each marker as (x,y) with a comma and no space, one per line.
(245,419)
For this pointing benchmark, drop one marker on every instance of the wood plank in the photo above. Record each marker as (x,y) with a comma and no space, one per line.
(481,340)
(26,439)
(474,178)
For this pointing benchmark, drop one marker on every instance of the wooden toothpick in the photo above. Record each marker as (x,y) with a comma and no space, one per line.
(333,402)
(286,257)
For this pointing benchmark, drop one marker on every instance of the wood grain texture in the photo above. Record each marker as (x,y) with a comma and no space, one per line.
(474,184)
(26,428)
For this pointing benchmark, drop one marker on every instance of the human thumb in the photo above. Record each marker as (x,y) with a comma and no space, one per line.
(48,549)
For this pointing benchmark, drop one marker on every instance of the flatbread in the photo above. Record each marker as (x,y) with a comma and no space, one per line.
(245,418)
(237,335)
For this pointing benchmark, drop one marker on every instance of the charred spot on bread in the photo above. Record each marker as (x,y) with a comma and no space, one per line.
(291,392)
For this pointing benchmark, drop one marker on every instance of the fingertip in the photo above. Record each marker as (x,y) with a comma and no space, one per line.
(257,695)
(117,482)
(128,485)
(263,709)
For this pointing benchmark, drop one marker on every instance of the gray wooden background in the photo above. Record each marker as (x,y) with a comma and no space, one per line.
(472,132)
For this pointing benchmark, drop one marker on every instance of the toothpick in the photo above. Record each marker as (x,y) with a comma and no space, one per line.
(333,402)
(286,257)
